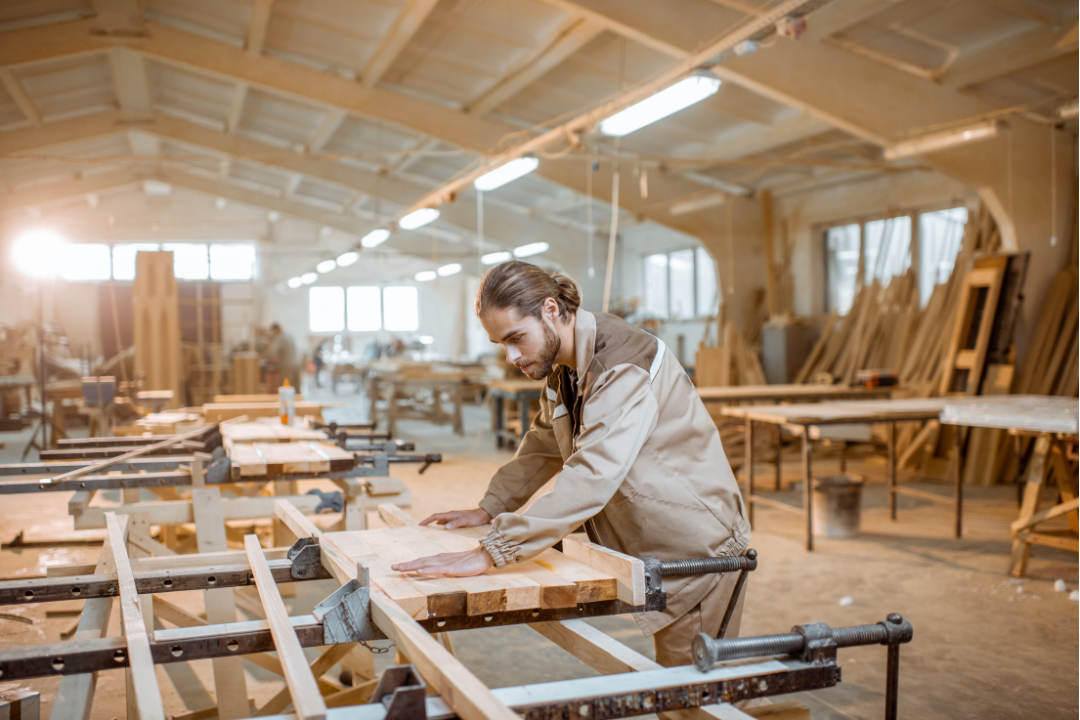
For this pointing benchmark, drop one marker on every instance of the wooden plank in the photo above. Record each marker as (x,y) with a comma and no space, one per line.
(592,585)
(178,512)
(230,683)
(445,596)
(629,571)
(319,667)
(307,700)
(608,656)
(394,516)
(80,501)
(395,585)
(93,468)
(75,694)
(288,513)
(147,700)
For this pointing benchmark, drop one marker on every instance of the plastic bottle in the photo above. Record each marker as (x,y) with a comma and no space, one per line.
(287,402)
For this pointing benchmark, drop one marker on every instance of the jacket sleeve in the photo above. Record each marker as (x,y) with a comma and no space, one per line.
(536,461)
(617,419)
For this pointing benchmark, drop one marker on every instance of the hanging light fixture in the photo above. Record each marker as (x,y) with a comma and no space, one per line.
(425,275)
(326,266)
(669,101)
(375,238)
(507,173)
(347,259)
(496,257)
(448,270)
(418,218)
(531,249)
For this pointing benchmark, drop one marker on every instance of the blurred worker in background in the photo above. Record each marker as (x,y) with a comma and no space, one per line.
(280,353)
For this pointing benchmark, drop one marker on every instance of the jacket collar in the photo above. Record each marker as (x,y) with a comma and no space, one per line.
(584,342)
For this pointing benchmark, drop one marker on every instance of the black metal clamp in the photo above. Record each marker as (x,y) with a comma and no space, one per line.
(814,644)
(402,692)
(657,569)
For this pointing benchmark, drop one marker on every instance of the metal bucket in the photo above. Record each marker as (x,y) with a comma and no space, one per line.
(837,506)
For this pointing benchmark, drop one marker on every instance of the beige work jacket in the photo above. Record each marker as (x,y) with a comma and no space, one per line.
(638,459)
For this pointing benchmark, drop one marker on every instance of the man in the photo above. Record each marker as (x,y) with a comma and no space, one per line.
(638,459)
(280,352)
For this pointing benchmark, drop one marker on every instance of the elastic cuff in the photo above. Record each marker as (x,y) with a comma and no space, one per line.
(500,550)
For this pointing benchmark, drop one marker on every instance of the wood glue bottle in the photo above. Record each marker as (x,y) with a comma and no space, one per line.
(287,402)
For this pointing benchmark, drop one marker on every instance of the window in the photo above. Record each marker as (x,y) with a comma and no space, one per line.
(364,309)
(656,290)
(708,299)
(123,258)
(326,309)
(940,234)
(887,248)
(401,309)
(190,261)
(86,261)
(882,249)
(232,261)
(681,285)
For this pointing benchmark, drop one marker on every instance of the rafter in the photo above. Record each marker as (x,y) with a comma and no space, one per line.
(22,99)
(568,40)
(130,82)
(65,190)
(236,107)
(408,21)
(260,24)
(330,124)
(1012,54)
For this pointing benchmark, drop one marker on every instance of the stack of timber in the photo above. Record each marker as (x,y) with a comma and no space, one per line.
(733,363)
(156,311)
(886,328)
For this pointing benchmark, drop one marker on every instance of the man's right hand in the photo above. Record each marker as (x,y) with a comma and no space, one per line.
(459,518)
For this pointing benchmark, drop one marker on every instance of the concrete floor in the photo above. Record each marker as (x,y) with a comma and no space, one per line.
(986,646)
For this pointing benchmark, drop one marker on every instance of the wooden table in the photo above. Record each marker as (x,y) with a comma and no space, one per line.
(523,392)
(219,412)
(1053,423)
(788,393)
(413,391)
(805,416)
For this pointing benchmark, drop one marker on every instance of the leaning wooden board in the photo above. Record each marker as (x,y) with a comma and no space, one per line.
(285,458)
(552,580)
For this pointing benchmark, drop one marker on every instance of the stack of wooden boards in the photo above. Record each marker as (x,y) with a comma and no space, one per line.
(156,321)
(733,363)
(552,580)
(267,432)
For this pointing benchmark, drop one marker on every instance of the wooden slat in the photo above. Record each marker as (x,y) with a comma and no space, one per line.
(394,516)
(147,700)
(75,695)
(307,700)
(321,664)
(629,571)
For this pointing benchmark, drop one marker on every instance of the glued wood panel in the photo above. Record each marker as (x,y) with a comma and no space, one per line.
(552,580)
(281,458)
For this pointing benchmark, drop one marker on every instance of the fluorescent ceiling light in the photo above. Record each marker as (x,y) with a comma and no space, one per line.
(347,259)
(496,257)
(684,207)
(36,253)
(273,216)
(219,203)
(942,140)
(418,218)
(451,269)
(294,282)
(1069,110)
(531,249)
(681,95)
(375,238)
(425,275)
(326,266)
(156,187)
(324,231)
(503,174)
(309,277)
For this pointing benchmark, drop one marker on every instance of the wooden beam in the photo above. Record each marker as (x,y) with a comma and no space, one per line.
(629,571)
(22,98)
(567,41)
(55,192)
(394,516)
(608,656)
(1011,54)
(318,668)
(408,21)
(130,82)
(177,512)
(288,513)
(260,23)
(236,108)
(75,696)
(147,700)
(329,125)
(306,698)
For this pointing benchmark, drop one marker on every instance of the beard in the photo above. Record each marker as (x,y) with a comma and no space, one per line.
(546,360)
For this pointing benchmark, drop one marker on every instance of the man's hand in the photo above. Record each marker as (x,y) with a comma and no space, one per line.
(457,564)
(459,518)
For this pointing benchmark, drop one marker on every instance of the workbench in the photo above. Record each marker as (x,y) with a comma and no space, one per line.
(414,391)
(805,418)
(522,392)
(374,604)
(1052,423)
(788,393)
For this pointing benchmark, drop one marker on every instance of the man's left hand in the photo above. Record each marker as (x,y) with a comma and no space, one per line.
(456,564)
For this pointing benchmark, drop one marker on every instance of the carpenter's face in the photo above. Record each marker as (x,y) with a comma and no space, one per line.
(530,343)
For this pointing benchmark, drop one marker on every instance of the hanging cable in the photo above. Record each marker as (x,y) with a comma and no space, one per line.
(1053,186)
(614,232)
(479,233)
(590,168)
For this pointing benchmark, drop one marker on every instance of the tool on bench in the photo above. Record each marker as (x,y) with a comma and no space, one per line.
(815,643)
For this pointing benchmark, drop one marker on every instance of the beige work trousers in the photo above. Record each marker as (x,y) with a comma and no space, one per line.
(673,642)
